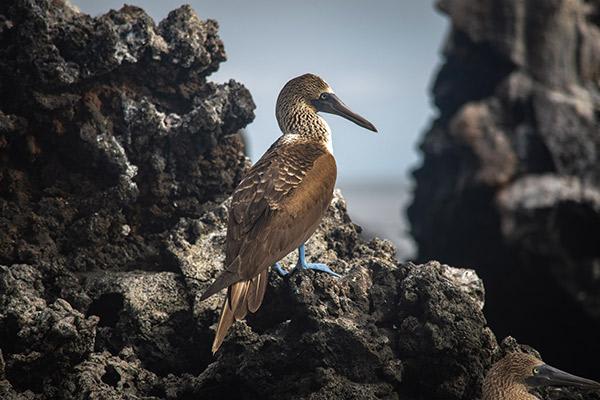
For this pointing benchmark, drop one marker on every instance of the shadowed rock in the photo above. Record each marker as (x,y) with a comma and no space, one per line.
(510,179)
(36,336)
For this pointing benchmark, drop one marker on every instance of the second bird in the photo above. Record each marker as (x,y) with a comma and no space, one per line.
(279,203)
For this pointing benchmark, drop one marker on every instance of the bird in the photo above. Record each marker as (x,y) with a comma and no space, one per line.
(513,376)
(280,201)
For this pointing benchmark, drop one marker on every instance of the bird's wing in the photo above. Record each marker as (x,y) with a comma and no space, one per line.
(267,185)
(258,232)
(275,208)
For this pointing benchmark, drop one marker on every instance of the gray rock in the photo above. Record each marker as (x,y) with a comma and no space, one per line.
(104,376)
(100,129)
(148,312)
(192,42)
(109,134)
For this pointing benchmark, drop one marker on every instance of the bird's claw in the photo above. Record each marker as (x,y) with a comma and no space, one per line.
(314,266)
(318,267)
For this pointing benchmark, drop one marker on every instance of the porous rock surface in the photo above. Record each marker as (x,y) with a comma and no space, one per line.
(510,182)
(382,331)
(117,158)
(109,134)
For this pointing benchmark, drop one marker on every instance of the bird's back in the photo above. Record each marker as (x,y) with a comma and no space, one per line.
(279,203)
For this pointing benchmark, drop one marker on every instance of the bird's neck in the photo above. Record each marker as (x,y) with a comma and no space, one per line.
(304,122)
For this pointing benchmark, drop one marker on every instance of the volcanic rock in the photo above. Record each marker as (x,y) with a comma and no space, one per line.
(510,181)
(117,159)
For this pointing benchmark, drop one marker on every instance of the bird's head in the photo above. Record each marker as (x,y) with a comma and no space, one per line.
(532,372)
(309,94)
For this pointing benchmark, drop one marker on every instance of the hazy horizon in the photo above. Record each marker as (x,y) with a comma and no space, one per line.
(379,60)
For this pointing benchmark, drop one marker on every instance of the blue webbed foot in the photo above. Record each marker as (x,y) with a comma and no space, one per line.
(279,269)
(302,264)
(319,267)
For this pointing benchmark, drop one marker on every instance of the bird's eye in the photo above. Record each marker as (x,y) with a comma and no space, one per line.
(324,96)
(536,371)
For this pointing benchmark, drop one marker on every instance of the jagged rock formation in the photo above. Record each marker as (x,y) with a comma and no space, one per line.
(384,330)
(117,158)
(109,134)
(510,183)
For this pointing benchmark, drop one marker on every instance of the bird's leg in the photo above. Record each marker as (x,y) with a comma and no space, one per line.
(279,269)
(315,266)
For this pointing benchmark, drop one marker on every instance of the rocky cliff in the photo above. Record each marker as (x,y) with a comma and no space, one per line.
(117,157)
(510,182)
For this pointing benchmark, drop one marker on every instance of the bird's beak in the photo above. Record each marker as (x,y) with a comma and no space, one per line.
(334,105)
(550,376)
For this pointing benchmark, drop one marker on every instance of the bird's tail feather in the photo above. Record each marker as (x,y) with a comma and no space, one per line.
(241,297)
(256,291)
(225,322)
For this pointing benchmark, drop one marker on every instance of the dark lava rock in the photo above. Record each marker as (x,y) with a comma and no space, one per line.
(384,330)
(117,158)
(109,134)
(510,183)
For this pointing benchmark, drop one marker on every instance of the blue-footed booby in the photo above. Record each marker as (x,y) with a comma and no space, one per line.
(513,376)
(280,201)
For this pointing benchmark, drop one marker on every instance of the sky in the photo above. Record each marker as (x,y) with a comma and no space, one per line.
(378,56)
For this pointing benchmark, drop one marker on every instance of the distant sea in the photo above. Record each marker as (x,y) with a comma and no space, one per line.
(380,208)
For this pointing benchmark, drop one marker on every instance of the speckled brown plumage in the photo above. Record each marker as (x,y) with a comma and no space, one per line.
(294,111)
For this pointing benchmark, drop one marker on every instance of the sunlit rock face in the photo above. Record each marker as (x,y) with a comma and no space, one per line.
(510,182)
